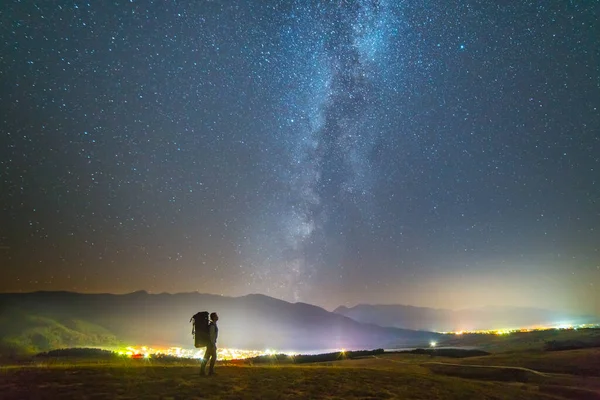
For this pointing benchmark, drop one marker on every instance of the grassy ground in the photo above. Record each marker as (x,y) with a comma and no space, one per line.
(388,376)
(583,362)
(245,383)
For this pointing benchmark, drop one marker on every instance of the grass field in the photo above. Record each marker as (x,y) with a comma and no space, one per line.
(547,375)
(582,362)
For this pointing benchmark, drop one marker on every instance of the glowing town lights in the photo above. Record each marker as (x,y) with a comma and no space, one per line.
(224,354)
(508,331)
(565,326)
(269,352)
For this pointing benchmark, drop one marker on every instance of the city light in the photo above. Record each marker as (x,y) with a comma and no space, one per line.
(224,354)
(508,331)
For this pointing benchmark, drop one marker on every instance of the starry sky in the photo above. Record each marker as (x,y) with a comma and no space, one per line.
(427,153)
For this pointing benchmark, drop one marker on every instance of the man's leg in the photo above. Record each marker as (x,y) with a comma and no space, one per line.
(213,359)
(204,361)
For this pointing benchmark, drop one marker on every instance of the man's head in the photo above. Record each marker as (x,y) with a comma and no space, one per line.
(214,317)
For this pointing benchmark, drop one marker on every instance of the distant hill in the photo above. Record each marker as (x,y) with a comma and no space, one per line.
(443,320)
(42,321)
(23,332)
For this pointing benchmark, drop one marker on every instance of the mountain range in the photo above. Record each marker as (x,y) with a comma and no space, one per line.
(40,321)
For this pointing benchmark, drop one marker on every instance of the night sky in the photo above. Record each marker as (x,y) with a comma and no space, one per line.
(431,153)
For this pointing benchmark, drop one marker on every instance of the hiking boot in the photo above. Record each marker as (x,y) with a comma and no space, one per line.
(211,373)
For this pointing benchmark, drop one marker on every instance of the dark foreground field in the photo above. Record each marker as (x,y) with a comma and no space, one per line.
(388,376)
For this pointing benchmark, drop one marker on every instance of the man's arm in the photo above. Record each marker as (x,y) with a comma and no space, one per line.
(212,335)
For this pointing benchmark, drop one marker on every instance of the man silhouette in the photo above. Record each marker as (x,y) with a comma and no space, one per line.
(211,348)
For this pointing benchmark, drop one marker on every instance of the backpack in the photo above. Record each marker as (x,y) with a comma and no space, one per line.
(200,329)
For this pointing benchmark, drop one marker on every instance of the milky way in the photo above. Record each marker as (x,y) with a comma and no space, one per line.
(328,130)
(331,152)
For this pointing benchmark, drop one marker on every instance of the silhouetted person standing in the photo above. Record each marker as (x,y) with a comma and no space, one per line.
(211,348)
